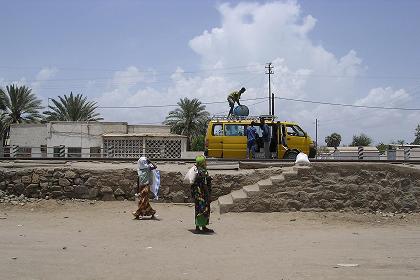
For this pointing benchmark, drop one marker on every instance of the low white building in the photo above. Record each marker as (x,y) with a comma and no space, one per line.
(403,152)
(350,153)
(94,139)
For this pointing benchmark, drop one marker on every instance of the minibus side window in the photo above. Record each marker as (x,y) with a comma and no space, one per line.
(294,130)
(217,130)
(234,130)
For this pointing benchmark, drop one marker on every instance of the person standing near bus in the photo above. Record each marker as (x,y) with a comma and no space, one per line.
(266,137)
(251,136)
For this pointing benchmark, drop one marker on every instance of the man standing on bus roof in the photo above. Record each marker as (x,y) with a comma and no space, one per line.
(234,97)
(266,137)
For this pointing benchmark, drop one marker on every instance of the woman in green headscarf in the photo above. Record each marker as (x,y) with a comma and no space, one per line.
(201,193)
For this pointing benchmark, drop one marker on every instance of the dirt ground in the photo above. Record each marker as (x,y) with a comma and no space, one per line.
(81,240)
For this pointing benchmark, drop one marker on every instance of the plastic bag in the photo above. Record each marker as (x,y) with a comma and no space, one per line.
(155,183)
(302,159)
(190,176)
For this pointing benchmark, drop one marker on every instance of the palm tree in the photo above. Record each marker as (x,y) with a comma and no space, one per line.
(190,119)
(72,108)
(17,104)
(3,128)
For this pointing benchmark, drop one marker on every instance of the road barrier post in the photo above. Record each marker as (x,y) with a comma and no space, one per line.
(62,150)
(360,152)
(407,153)
(15,149)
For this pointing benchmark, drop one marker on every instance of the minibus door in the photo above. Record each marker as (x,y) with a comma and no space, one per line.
(282,147)
(296,138)
(215,148)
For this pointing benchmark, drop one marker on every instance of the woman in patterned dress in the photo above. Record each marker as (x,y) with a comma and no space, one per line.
(201,193)
(144,171)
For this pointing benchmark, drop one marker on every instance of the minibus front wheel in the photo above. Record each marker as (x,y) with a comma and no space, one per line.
(291,154)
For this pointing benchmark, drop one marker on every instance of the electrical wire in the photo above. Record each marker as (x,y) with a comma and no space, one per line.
(169,105)
(347,105)
(166,73)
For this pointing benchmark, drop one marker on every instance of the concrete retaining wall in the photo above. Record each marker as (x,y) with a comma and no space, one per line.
(333,187)
(114,184)
(326,187)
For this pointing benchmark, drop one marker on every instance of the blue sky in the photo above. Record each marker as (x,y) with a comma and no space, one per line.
(132,53)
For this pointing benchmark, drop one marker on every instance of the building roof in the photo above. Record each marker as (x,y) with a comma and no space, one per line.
(28,125)
(144,134)
(352,149)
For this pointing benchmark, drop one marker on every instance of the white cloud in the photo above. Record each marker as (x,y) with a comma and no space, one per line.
(131,76)
(385,97)
(44,75)
(251,34)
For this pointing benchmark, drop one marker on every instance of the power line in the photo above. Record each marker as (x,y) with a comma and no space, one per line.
(128,77)
(353,77)
(169,105)
(259,98)
(120,69)
(165,73)
(347,105)
(412,90)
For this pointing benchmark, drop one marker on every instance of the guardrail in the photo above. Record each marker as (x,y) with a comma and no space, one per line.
(406,154)
(402,152)
(62,151)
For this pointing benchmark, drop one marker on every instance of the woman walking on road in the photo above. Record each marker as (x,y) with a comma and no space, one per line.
(201,192)
(144,171)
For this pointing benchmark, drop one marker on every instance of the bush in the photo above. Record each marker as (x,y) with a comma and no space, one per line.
(333,140)
(361,140)
(197,143)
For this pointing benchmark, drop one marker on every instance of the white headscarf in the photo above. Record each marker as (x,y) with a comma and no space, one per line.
(142,163)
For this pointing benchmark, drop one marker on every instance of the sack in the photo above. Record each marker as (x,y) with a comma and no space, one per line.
(155,183)
(191,175)
(302,159)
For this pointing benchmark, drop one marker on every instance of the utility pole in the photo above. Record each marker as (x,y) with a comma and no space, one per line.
(269,73)
(272,104)
(316,133)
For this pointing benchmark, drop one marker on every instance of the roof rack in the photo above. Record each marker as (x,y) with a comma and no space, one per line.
(242,118)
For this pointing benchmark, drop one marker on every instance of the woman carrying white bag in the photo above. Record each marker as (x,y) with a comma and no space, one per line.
(148,180)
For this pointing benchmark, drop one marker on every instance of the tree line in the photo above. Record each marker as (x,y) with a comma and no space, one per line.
(19,105)
(334,140)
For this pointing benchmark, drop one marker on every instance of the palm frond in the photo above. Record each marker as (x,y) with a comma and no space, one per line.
(19,104)
(72,108)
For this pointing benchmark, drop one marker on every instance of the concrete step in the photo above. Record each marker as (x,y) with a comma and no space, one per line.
(288,168)
(265,184)
(277,179)
(238,195)
(225,203)
(214,207)
(290,174)
(251,190)
(297,167)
